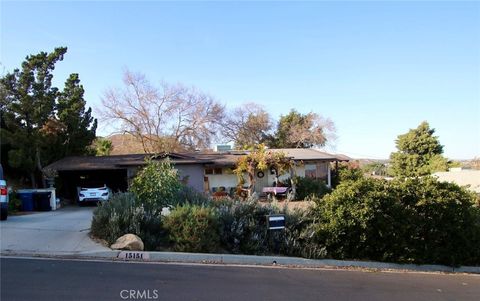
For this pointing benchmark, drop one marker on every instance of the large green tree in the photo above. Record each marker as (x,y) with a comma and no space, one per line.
(41,123)
(103,147)
(419,153)
(297,130)
(79,125)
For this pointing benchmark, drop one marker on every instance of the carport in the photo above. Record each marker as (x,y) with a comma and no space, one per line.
(69,180)
(112,171)
(117,171)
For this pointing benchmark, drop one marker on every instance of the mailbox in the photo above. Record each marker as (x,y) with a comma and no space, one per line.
(276,222)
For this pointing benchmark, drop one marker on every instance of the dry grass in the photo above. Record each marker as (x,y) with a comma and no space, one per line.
(291,205)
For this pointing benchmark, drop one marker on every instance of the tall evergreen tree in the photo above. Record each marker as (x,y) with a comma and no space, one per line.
(79,124)
(31,126)
(419,153)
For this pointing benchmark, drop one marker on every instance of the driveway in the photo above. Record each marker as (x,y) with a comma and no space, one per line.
(63,231)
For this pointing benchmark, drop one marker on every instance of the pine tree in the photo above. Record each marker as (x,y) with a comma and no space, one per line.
(79,124)
(40,124)
(419,153)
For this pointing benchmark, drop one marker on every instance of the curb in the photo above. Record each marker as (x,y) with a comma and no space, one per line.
(174,257)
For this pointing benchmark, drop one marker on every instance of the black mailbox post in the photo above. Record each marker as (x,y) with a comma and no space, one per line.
(276,222)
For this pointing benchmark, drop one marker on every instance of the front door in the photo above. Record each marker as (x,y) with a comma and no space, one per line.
(261,180)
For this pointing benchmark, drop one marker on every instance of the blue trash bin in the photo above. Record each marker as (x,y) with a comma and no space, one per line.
(27,200)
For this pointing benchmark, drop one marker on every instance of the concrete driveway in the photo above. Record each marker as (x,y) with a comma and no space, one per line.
(64,231)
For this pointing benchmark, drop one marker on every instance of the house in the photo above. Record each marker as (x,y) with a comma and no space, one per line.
(205,172)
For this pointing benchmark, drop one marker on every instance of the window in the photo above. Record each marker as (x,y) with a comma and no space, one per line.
(310,170)
(213,171)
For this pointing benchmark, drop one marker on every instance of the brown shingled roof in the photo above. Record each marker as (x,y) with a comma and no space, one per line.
(305,154)
(116,162)
(222,158)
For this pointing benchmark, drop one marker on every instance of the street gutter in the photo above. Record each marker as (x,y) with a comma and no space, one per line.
(251,260)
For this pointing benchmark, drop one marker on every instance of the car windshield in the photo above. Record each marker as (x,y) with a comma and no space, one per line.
(94,186)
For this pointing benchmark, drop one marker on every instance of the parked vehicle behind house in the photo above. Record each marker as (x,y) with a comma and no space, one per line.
(93,193)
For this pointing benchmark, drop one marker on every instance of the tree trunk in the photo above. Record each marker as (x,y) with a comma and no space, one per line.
(32,179)
(252,183)
(292,180)
(39,166)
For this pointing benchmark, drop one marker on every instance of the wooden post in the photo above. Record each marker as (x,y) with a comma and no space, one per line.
(329,177)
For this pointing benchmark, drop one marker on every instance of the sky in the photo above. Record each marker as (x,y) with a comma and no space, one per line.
(376,69)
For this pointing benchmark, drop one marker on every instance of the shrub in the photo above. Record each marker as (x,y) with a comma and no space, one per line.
(346,172)
(14,203)
(296,239)
(243,226)
(192,228)
(443,221)
(360,220)
(416,220)
(122,214)
(188,195)
(307,187)
(157,185)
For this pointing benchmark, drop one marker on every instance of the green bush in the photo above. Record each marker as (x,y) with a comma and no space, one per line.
(157,185)
(443,221)
(416,220)
(243,227)
(123,214)
(346,172)
(296,239)
(360,220)
(244,230)
(14,203)
(193,228)
(188,195)
(307,187)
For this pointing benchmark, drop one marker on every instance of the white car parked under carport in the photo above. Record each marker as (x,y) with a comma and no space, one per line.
(93,193)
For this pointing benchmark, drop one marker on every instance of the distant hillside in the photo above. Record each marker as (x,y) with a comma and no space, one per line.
(363,162)
(125,144)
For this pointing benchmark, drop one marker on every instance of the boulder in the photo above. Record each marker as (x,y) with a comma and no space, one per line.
(129,242)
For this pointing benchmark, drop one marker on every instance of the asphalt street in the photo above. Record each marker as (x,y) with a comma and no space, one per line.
(47,279)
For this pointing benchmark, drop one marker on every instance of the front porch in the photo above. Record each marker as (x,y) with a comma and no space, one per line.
(221,180)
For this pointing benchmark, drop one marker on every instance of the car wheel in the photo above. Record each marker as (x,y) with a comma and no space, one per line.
(4,215)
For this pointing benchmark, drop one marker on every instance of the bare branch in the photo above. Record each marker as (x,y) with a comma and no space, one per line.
(168,118)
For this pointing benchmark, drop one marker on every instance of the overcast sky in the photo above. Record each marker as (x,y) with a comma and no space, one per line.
(376,69)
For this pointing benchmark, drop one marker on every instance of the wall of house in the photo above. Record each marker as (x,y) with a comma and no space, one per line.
(131,173)
(226,181)
(192,175)
(318,170)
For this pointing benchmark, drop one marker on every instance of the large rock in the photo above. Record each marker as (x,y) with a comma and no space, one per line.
(128,242)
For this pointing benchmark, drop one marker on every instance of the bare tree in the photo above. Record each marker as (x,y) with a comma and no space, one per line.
(314,131)
(167,118)
(247,125)
(196,117)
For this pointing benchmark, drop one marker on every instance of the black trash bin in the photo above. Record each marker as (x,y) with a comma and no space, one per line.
(41,201)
